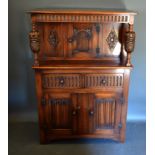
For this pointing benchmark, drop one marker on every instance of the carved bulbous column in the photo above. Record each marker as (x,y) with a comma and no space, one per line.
(35,43)
(129,44)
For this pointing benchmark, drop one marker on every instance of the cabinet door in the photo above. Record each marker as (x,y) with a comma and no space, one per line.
(107,113)
(58,114)
(82,40)
(83,113)
(51,40)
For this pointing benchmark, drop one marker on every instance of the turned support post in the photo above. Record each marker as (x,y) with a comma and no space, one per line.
(35,43)
(129,43)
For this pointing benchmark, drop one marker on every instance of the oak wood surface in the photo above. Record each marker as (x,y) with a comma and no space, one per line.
(82,64)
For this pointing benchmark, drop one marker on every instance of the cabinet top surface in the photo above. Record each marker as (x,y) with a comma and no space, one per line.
(82,11)
(80,65)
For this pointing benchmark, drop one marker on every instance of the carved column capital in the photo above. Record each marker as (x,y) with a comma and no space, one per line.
(129,44)
(35,43)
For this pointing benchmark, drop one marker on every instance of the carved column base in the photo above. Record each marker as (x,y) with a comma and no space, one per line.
(128,62)
(36,62)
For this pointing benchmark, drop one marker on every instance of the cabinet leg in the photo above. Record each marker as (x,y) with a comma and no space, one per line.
(43,139)
(122,137)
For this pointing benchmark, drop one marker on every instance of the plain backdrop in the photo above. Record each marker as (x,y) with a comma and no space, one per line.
(22,94)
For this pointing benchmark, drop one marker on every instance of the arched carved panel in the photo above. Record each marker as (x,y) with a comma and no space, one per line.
(82,38)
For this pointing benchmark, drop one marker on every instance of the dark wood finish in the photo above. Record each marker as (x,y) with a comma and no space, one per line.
(82,63)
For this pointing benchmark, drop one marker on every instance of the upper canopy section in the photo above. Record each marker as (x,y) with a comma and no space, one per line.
(82,15)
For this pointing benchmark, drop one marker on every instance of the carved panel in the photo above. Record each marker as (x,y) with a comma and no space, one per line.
(82,38)
(112,39)
(53,38)
(60,113)
(61,81)
(103,80)
(105,113)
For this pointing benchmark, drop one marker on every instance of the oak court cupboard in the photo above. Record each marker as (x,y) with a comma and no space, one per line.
(82,64)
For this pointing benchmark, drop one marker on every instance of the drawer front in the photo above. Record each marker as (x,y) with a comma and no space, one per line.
(103,80)
(72,81)
(61,81)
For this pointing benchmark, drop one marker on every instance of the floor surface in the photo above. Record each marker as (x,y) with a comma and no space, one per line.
(24,140)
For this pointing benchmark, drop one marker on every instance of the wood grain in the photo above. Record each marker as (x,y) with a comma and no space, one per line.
(82,64)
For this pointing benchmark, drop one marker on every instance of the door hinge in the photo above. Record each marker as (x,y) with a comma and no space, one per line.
(121,100)
(97,28)
(43,101)
(120,125)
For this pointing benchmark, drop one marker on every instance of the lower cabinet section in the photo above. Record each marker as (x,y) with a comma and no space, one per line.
(82,115)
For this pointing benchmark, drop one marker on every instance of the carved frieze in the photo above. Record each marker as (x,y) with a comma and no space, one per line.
(81,18)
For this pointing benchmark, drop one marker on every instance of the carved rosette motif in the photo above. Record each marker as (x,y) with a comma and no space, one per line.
(53,38)
(112,39)
(129,41)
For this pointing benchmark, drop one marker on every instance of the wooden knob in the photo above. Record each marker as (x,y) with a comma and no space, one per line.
(78,108)
(103,81)
(61,81)
(91,112)
(70,40)
(74,112)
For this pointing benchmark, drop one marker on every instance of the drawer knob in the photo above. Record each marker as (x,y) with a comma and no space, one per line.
(61,81)
(103,81)
(91,113)
(78,108)
(74,112)
(70,40)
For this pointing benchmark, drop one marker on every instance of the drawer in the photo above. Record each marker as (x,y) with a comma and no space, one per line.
(103,80)
(61,80)
(72,81)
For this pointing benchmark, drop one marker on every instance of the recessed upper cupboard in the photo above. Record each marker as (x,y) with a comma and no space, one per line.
(79,40)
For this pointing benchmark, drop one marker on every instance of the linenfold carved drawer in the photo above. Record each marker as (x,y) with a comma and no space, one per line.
(103,80)
(82,80)
(82,63)
(61,81)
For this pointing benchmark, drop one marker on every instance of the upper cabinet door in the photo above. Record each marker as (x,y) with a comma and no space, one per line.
(51,39)
(81,40)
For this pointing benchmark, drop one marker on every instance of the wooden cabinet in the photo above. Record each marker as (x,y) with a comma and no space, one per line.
(82,63)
